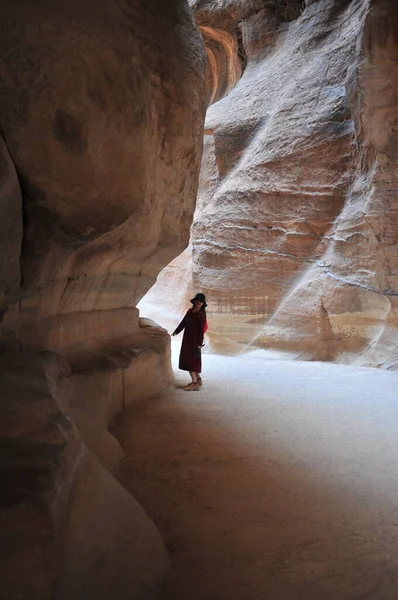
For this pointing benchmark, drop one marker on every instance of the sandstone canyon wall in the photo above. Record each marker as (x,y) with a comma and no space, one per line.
(101,116)
(295,242)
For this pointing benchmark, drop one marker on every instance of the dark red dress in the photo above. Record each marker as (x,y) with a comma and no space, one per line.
(194,328)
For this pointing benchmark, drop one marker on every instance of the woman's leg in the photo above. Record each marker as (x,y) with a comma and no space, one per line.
(194,384)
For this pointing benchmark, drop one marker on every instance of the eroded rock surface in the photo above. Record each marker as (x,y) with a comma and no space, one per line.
(296,241)
(345,303)
(101,112)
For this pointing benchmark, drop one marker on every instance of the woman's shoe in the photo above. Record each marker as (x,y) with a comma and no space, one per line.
(192,387)
(200,381)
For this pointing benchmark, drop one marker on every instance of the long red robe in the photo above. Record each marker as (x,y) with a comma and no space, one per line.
(194,328)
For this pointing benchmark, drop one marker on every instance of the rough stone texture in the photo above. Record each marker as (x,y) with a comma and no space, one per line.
(282,153)
(101,111)
(345,305)
(296,241)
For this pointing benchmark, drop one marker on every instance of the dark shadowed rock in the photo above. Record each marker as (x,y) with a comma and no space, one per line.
(102,112)
(10,231)
(101,109)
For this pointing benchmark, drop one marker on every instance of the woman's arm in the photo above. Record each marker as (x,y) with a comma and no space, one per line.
(181,326)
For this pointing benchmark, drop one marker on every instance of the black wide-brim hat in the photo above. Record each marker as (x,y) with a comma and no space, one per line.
(200,297)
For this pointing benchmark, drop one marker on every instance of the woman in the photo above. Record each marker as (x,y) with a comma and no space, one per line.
(194,324)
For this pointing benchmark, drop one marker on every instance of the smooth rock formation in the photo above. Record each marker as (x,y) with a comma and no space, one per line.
(296,241)
(11,225)
(69,530)
(101,112)
(223,62)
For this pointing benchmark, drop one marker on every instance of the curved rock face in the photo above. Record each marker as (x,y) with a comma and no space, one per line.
(102,114)
(282,141)
(69,530)
(224,66)
(295,237)
(344,305)
(101,110)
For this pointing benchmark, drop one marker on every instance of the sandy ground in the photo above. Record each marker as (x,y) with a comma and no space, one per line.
(277,481)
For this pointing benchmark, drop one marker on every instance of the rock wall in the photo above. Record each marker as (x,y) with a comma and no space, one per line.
(69,530)
(345,303)
(101,115)
(104,127)
(296,241)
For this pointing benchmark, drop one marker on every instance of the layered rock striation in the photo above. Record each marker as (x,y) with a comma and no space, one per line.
(101,116)
(344,305)
(284,157)
(296,240)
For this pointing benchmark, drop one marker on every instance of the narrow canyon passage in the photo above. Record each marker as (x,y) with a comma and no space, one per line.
(278,480)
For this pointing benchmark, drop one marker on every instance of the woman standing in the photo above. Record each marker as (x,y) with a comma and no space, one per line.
(194,324)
